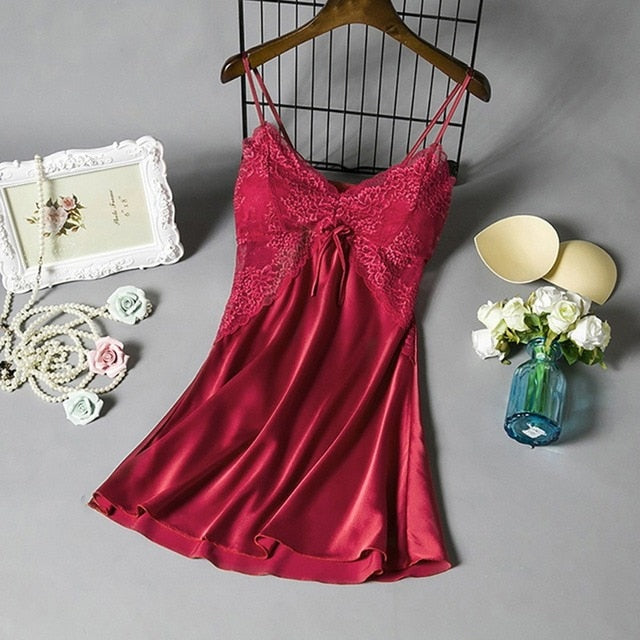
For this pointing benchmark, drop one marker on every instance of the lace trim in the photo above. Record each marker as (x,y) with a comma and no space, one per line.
(281,202)
(256,284)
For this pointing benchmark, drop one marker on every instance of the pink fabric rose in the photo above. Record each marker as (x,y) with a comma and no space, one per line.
(108,358)
(68,203)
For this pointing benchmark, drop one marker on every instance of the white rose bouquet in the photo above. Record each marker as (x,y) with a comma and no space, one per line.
(557,316)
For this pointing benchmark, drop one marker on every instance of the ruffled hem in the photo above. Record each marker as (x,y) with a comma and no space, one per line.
(277,558)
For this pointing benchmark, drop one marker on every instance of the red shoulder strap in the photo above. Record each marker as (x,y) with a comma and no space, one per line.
(455,96)
(251,74)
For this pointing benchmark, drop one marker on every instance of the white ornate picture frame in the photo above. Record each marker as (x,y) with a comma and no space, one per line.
(106,210)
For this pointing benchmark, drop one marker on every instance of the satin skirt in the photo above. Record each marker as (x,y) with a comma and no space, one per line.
(297,450)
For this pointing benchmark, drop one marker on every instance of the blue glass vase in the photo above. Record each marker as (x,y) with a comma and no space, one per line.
(536,399)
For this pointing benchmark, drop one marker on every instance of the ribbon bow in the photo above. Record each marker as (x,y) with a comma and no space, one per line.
(336,235)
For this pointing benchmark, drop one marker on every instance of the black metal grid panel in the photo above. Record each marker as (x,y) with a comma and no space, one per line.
(354,99)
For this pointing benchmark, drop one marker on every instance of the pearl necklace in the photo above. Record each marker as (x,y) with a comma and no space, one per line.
(53,357)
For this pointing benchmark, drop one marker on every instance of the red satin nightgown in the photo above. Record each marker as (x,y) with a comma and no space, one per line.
(297,449)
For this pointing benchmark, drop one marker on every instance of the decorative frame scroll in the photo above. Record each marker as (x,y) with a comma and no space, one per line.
(106,210)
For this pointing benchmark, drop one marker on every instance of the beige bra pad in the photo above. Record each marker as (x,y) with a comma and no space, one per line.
(585,268)
(519,248)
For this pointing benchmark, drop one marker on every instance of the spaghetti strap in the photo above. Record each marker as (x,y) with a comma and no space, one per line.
(252,85)
(251,74)
(455,96)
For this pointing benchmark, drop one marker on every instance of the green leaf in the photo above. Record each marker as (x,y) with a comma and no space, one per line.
(533,321)
(528,336)
(511,336)
(570,352)
(590,357)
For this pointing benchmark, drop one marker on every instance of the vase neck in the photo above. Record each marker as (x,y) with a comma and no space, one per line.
(539,350)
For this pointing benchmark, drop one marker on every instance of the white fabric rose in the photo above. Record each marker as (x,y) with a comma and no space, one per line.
(82,407)
(591,332)
(490,315)
(513,313)
(562,315)
(581,301)
(543,299)
(484,344)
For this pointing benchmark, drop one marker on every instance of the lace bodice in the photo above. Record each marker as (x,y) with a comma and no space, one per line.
(284,207)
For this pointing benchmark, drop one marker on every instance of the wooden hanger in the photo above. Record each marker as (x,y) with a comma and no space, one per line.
(374,13)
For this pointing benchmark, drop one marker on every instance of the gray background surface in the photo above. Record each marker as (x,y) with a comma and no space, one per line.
(545,541)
